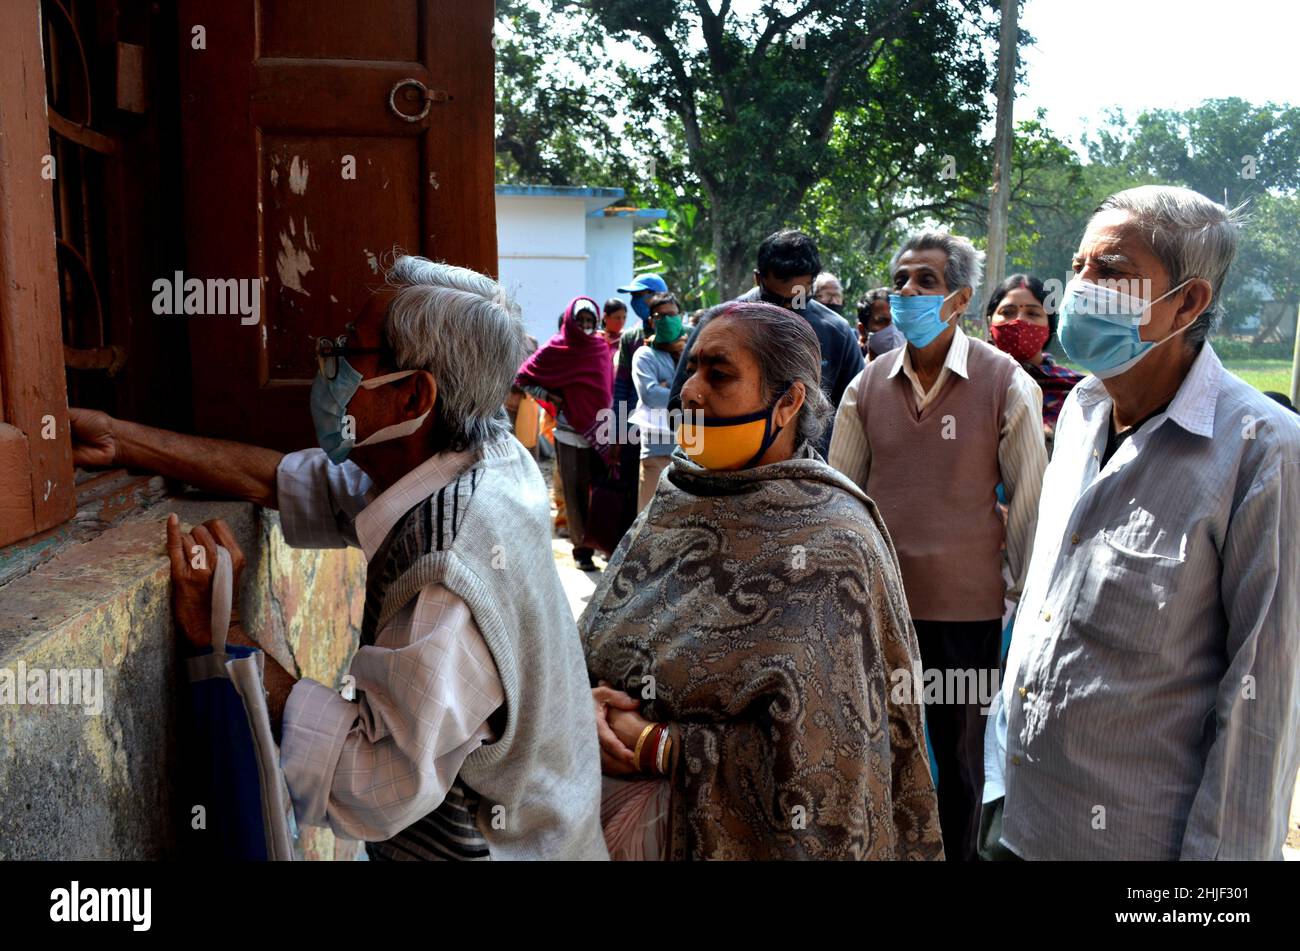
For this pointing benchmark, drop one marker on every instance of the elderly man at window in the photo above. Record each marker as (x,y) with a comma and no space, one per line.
(472,735)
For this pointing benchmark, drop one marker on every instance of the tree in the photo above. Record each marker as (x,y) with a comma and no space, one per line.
(1231,151)
(552,127)
(758,98)
(859,214)
(676,248)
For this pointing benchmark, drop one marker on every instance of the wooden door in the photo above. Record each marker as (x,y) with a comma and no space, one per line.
(36,487)
(300,173)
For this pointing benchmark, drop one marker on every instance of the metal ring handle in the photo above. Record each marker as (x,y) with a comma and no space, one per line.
(424,94)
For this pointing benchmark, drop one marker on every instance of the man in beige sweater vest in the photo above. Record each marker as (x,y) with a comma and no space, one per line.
(929,431)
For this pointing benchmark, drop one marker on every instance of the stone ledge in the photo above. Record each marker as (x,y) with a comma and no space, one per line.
(98,786)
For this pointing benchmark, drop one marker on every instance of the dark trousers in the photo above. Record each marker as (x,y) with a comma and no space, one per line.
(957,729)
(576,466)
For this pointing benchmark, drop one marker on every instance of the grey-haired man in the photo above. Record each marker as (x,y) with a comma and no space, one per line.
(472,734)
(929,432)
(1151,704)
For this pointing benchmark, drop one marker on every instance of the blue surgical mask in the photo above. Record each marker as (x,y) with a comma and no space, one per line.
(640,307)
(1099,327)
(329,409)
(917,317)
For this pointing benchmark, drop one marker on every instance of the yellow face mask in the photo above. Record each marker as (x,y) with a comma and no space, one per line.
(728,442)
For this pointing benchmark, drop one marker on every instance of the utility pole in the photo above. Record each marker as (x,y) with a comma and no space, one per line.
(995,261)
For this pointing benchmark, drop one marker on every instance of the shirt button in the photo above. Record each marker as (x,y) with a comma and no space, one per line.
(1074,539)
(1015,761)
(1047,615)
(1096,454)
(1023,692)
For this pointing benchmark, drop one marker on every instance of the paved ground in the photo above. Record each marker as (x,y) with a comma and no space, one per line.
(578,585)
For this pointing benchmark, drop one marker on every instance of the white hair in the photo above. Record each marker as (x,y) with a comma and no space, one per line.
(825,277)
(965,265)
(466,331)
(1190,234)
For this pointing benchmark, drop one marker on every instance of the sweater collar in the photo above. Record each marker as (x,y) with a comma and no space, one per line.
(376,520)
(955,360)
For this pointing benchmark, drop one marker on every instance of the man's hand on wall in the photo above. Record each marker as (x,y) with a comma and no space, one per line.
(93,442)
(194,560)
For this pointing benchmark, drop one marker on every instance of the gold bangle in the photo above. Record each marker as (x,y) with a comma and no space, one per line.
(636,754)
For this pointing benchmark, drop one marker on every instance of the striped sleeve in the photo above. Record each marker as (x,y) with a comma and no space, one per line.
(1022,457)
(850,452)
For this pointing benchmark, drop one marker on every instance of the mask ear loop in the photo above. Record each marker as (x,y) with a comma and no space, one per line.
(769,436)
(956,315)
(1146,311)
(370,384)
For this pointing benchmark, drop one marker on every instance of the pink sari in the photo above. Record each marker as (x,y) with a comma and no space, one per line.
(634,816)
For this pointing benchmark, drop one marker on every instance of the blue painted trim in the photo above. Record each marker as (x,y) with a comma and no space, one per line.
(561,191)
(647,214)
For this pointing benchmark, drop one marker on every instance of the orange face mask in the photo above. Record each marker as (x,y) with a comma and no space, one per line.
(729,442)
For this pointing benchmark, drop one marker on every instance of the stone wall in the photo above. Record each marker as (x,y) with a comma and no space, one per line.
(79,786)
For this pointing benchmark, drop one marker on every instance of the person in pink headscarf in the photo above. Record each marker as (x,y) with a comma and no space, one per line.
(572,372)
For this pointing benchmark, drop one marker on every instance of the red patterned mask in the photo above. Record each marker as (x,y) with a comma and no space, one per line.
(1019,338)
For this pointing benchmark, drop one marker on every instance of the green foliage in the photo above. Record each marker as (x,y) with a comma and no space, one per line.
(1233,152)
(676,248)
(860,213)
(552,121)
(758,106)
(855,120)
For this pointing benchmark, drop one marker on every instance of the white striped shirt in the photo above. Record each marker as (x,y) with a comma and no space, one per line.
(1152,693)
(1022,455)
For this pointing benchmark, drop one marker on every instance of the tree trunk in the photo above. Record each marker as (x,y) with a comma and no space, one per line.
(733,259)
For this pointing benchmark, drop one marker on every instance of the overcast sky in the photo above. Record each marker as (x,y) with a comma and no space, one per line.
(1090,55)
(1093,54)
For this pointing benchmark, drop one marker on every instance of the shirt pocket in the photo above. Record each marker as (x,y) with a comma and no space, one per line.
(1125,598)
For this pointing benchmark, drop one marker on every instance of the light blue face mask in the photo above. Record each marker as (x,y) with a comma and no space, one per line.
(1099,327)
(917,317)
(329,410)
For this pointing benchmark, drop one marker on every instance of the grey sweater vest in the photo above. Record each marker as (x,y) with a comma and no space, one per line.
(534,793)
(934,476)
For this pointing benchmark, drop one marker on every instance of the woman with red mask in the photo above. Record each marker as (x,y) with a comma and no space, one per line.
(1021,325)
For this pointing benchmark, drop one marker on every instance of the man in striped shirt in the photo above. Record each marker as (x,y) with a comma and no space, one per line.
(1150,708)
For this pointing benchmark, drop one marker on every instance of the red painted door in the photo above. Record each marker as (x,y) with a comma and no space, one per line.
(301,175)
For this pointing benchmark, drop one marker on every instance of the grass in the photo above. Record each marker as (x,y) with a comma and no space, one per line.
(1263,375)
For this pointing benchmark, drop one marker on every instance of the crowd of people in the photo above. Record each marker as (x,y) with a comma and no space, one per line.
(802,520)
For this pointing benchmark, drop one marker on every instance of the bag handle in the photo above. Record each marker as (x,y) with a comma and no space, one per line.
(223,579)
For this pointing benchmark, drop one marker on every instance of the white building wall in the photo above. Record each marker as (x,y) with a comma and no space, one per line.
(542,256)
(609,262)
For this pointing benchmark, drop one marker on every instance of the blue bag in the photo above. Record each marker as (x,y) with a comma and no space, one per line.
(240,806)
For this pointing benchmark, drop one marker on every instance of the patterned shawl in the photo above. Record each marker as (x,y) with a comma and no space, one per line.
(768,606)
